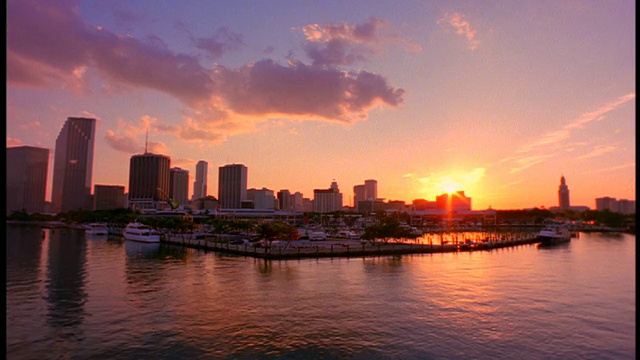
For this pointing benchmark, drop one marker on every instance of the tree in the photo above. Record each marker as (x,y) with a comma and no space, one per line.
(269,231)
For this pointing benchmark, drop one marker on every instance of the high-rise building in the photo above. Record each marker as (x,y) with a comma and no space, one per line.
(359,194)
(73,165)
(453,201)
(327,200)
(297,202)
(27,178)
(371,189)
(284,200)
(108,197)
(200,185)
(563,195)
(149,177)
(232,186)
(179,185)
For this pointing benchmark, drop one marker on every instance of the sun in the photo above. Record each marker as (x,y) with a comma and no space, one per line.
(448,185)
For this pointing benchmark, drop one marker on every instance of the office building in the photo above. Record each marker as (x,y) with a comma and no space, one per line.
(622,206)
(371,189)
(73,165)
(27,178)
(563,195)
(232,186)
(149,177)
(284,200)
(179,185)
(262,198)
(200,185)
(327,200)
(108,197)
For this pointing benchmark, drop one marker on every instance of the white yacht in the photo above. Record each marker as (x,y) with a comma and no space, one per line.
(96,229)
(554,235)
(136,231)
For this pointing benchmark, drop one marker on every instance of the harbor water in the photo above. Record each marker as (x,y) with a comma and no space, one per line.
(70,296)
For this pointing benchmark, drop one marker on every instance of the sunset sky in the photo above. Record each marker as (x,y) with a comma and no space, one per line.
(495,98)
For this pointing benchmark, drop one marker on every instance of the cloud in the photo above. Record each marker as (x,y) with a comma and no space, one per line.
(222,41)
(13,142)
(598,114)
(462,27)
(49,45)
(267,88)
(597,151)
(557,140)
(132,137)
(340,44)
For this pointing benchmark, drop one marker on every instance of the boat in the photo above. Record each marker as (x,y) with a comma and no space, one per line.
(140,232)
(96,229)
(551,235)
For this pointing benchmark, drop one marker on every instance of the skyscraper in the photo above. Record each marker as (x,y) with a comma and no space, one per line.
(371,189)
(563,195)
(149,176)
(27,178)
(73,165)
(232,186)
(200,185)
(327,200)
(179,185)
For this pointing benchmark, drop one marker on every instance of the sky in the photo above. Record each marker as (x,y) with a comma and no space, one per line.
(498,99)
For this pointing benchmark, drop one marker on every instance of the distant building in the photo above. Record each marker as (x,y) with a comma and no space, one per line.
(108,197)
(232,186)
(563,195)
(366,191)
(297,202)
(262,198)
(73,165)
(453,201)
(179,185)
(27,178)
(284,200)
(307,205)
(623,206)
(149,177)
(200,185)
(327,200)
(422,204)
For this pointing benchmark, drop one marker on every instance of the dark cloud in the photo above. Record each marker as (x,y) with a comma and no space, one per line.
(222,41)
(298,89)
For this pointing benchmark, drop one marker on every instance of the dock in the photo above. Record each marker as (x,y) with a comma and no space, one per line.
(354,248)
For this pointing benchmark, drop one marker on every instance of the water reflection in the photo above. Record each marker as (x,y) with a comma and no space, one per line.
(66,278)
(23,256)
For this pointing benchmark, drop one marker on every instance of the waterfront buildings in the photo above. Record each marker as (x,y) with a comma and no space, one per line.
(26,178)
(179,185)
(109,197)
(563,195)
(200,185)
(232,185)
(149,177)
(327,200)
(73,165)
(363,192)
(623,206)
(262,199)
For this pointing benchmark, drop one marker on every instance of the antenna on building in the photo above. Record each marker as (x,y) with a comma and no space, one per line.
(146,141)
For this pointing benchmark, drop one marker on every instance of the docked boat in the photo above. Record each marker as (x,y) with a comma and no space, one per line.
(554,235)
(96,229)
(136,231)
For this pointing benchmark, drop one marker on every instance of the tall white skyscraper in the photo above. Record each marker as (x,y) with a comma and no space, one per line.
(200,185)
(73,165)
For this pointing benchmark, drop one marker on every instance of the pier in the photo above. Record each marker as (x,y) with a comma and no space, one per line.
(427,244)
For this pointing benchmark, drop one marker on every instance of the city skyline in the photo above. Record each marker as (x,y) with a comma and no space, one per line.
(427,98)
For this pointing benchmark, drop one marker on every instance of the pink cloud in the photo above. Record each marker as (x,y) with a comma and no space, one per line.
(462,27)
(13,142)
(49,44)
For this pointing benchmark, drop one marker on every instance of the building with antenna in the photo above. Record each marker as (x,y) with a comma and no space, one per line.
(149,181)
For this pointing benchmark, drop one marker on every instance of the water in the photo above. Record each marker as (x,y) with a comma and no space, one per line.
(72,297)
